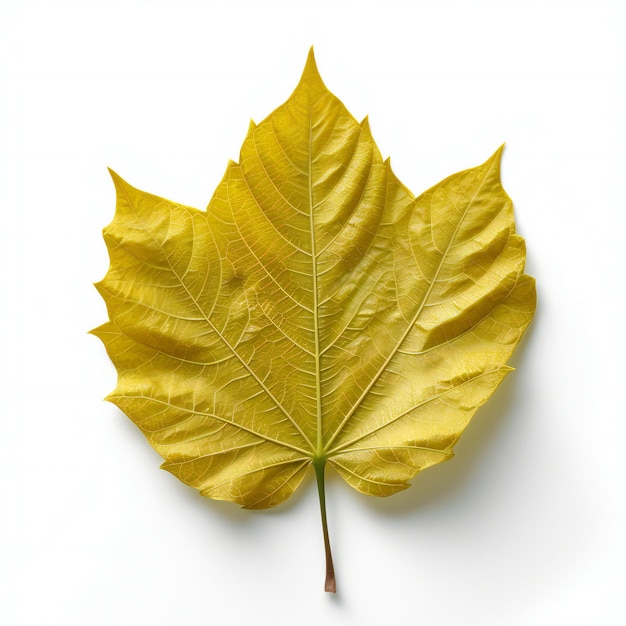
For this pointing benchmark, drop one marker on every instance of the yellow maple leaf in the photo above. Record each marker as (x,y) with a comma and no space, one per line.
(316,314)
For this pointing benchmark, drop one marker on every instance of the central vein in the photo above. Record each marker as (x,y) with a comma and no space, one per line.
(316,330)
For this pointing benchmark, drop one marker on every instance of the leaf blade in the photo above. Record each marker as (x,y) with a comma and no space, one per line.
(433,342)
(163,353)
(317,310)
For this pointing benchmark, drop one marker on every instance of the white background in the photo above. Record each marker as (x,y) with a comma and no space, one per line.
(525,526)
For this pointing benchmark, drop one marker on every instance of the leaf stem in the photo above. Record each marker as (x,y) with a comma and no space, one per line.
(330,584)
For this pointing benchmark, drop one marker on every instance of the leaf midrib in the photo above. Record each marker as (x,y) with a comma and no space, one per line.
(319,449)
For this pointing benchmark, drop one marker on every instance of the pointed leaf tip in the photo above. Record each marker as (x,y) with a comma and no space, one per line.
(495,159)
(497,155)
(310,74)
(251,128)
(118,181)
(310,60)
